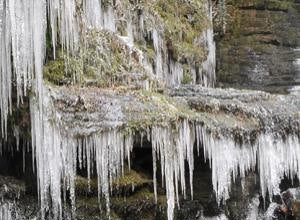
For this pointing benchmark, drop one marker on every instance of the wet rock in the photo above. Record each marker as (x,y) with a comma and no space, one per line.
(242,194)
(257,52)
(190,210)
(11,188)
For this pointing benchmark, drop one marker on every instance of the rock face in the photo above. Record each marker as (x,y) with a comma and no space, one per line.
(259,48)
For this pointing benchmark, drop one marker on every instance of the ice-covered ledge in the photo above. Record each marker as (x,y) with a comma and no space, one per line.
(83,111)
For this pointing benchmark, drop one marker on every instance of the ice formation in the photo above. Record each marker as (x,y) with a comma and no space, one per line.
(274,155)
(5,211)
(23,27)
(253,210)
(56,155)
(208,76)
(173,148)
(93,11)
(227,161)
(63,23)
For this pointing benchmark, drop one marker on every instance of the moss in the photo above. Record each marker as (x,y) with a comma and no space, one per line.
(184,22)
(90,205)
(142,195)
(54,71)
(103,59)
(82,184)
(130,178)
(278,5)
(187,79)
(64,70)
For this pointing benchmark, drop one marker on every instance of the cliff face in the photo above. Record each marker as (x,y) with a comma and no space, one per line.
(259,48)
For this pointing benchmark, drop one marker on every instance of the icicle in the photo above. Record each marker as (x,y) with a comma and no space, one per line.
(109,19)
(93,12)
(277,158)
(158,44)
(22,36)
(24,156)
(62,14)
(6,211)
(173,148)
(208,75)
(17,136)
(154,150)
(57,154)
(227,161)
(129,30)
(175,75)
(5,66)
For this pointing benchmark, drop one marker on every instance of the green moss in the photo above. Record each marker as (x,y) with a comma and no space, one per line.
(64,70)
(184,21)
(187,79)
(130,178)
(142,195)
(86,205)
(54,71)
(83,185)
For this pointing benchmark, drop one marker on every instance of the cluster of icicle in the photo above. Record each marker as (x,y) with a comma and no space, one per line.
(173,148)
(57,153)
(5,211)
(208,76)
(275,157)
(172,71)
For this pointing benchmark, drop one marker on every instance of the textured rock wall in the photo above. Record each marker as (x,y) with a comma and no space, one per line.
(257,50)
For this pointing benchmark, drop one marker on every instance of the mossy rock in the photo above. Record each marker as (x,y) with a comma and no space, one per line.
(127,184)
(184,22)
